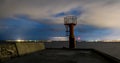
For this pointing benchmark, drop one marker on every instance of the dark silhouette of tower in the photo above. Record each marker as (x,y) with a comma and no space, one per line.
(70,22)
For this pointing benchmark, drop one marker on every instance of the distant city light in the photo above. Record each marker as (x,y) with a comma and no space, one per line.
(19,40)
(58,38)
(78,38)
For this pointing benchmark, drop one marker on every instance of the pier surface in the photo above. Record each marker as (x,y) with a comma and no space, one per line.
(61,56)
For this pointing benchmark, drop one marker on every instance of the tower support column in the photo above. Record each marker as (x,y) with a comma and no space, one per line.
(72,42)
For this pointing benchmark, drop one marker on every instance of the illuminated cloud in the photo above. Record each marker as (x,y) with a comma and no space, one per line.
(102,14)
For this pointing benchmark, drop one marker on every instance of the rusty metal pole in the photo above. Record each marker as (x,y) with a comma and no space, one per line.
(72,43)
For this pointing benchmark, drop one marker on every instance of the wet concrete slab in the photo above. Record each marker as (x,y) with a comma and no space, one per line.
(61,56)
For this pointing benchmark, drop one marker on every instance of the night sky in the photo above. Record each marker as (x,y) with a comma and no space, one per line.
(43,19)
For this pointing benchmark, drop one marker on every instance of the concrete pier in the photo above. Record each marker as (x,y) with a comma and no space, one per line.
(62,56)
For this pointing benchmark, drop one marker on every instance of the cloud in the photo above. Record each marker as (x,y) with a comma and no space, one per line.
(24,28)
(88,32)
(34,8)
(102,14)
